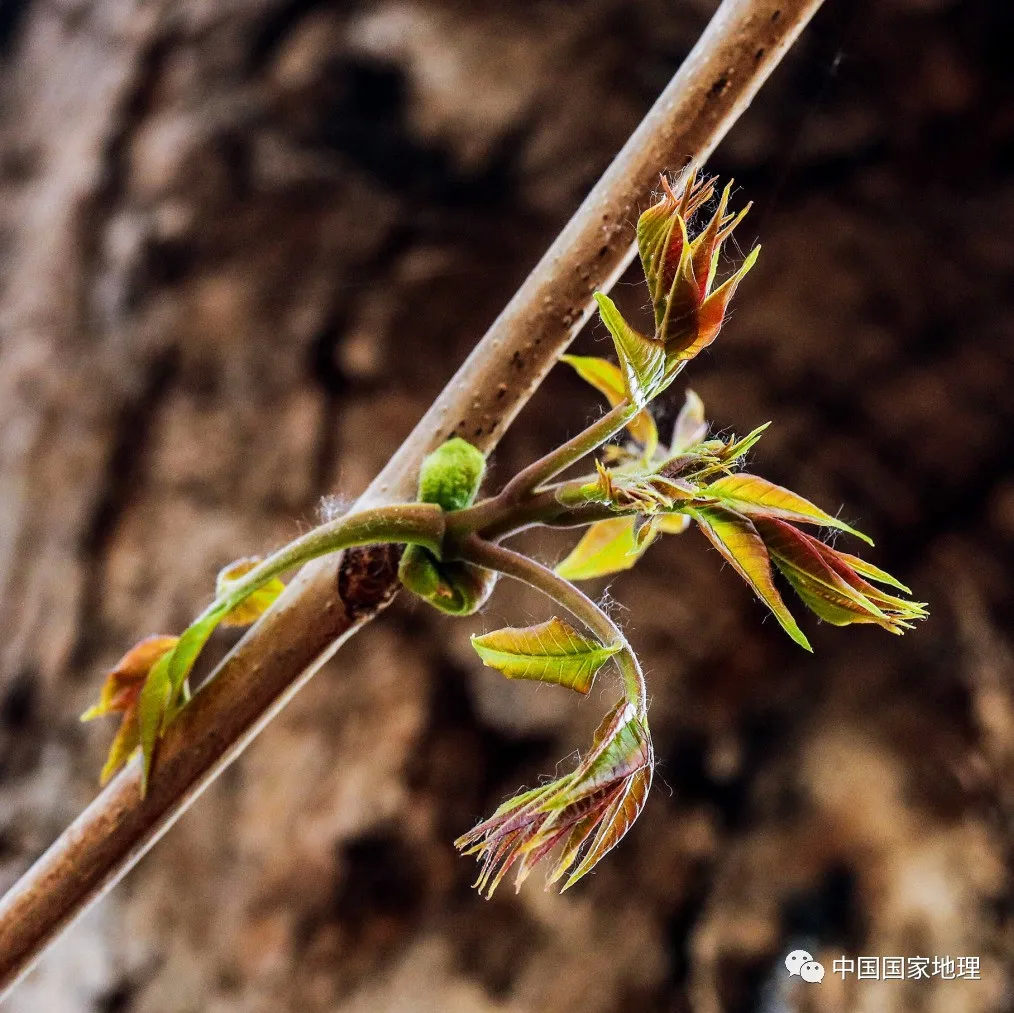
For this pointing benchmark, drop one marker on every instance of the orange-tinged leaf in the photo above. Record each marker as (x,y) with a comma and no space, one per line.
(678,317)
(705,247)
(654,239)
(606,378)
(606,547)
(829,584)
(588,810)
(810,556)
(712,311)
(127,739)
(124,681)
(551,652)
(750,494)
(662,238)
(830,603)
(256,604)
(708,244)
(580,832)
(533,851)
(614,824)
(741,545)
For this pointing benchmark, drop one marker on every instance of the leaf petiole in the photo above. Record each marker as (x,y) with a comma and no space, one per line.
(588,440)
(405,523)
(524,501)
(166,690)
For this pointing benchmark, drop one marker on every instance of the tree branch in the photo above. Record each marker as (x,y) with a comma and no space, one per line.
(331,598)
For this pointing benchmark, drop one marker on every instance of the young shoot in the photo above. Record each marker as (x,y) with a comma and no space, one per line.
(635,491)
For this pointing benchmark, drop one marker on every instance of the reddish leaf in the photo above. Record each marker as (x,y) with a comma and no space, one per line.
(755,496)
(738,541)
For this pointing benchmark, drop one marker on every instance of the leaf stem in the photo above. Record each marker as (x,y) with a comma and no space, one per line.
(403,523)
(562,505)
(522,501)
(528,571)
(529,479)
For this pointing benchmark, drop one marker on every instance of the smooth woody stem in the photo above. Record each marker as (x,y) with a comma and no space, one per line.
(577,603)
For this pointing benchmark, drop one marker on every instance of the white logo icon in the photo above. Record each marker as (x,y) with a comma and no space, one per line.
(812,971)
(802,963)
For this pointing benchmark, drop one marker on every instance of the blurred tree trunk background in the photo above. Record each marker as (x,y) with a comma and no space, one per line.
(242,246)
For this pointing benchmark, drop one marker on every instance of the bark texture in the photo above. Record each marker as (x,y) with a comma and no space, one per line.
(242,245)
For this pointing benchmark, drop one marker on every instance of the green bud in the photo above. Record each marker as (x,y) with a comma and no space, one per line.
(451,475)
(457,588)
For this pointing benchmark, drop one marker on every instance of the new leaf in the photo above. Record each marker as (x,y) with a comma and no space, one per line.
(257,603)
(750,494)
(739,542)
(550,652)
(642,358)
(606,547)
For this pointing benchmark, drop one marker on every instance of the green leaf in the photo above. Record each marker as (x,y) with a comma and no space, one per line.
(606,547)
(606,378)
(192,642)
(872,572)
(643,359)
(750,494)
(737,448)
(550,652)
(256,603)
(738,541)
(151,710)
